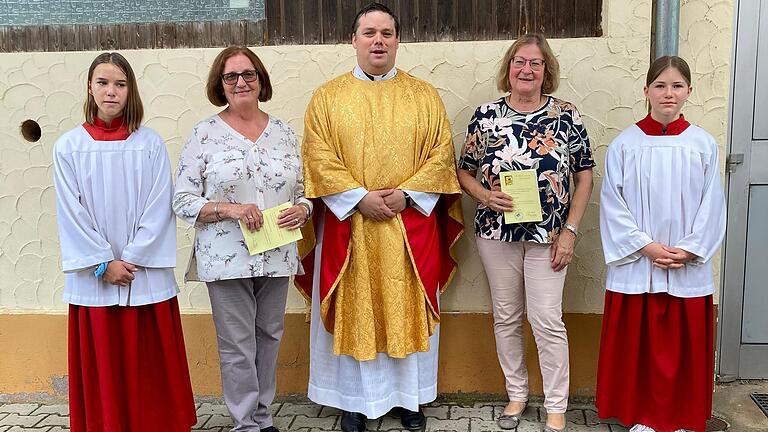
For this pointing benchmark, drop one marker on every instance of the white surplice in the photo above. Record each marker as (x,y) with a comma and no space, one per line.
(375,386)
(662,189)
(113,201)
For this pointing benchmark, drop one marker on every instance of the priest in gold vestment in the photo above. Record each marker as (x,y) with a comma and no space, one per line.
(378,152)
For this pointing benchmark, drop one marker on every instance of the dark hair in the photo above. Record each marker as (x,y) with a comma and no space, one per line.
(133,112)
(375,7)
(551,65)
(214,88)
(663,63)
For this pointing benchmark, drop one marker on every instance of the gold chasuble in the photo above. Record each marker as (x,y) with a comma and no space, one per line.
(381,296)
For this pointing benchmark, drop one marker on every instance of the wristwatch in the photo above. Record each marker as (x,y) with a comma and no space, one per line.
(408,200)
(571,228)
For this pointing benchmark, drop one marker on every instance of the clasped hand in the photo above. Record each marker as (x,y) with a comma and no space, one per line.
(381,205)
(119,273)
(667,257)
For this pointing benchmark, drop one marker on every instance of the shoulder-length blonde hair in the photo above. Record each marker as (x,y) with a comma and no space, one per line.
(133,112)
(551,65)
(214,88)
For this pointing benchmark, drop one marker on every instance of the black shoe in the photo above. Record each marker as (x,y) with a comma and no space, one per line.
(412,420)
(269,429)
(353,421)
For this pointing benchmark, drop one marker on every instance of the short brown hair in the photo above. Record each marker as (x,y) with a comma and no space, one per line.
(214,89)
(663,63)
(551,65)
(133,112)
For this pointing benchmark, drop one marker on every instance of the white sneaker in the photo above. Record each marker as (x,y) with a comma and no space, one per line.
(641,428)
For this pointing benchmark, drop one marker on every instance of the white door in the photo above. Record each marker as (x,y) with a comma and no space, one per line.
(743,335)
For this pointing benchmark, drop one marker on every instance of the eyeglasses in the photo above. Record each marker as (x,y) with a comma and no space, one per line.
(248,76)
(519,62)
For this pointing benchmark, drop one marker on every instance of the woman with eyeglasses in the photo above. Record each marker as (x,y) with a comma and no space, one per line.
(234,166)
(528,132)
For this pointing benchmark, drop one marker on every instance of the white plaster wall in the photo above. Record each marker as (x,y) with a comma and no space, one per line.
(603,76)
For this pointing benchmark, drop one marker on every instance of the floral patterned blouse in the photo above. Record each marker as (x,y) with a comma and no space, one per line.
(552,140)
(220,164)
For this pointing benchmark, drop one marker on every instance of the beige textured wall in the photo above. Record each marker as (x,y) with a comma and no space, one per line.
(603,76)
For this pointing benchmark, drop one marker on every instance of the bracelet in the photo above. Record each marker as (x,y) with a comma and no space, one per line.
(100,270)
(216,212)
(306,209)
(571,228)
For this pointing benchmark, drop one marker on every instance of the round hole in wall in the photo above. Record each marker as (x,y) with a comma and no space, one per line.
(30,130)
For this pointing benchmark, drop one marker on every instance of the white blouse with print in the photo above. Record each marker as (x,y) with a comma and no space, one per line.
(220,164)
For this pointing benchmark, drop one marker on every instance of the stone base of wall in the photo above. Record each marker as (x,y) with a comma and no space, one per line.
(33,357)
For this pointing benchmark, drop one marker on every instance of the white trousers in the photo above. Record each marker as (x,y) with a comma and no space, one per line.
(520,277)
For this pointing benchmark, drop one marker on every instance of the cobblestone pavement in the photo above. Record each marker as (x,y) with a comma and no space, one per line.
(308,417)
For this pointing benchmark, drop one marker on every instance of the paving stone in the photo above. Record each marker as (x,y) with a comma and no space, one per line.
(213,409)
(458,425)
(439,412)
(575,416)
(391,423)
(327,411)
(274,408)
(371,424)
(54,420)
(529,425)
(585,428)
(218,421)
(201,419)
(618,428)
(282,423)
(14,419)
(27,429)
(308,410)
(19,408)
(325,423)
(479,425)
(592,418)
(482,413)
(62,409)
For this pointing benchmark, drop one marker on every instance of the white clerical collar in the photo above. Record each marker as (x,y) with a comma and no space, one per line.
(360,74)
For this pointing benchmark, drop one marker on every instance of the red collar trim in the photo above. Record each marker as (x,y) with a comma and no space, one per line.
(99,131)
(654,128)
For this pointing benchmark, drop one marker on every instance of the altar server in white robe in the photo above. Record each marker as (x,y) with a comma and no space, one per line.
(127,361)
(662,219)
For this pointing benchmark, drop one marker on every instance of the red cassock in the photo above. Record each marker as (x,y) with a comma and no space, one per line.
(127,364)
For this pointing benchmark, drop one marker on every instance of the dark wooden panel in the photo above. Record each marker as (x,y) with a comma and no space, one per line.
(588,18)
(349,9)
(466,22)
(563,20)
(485,13)
(313,22)
(409,20)
(293,17)
(325,21)
(255,32)
(446,13)
(508,21)
(426,20)
(127,36)
(332,25)
(274,15)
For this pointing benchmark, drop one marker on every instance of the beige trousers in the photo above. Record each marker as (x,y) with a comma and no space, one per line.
(519,275)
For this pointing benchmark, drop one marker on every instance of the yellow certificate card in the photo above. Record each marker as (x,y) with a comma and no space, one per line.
(523,187)
(269,236)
